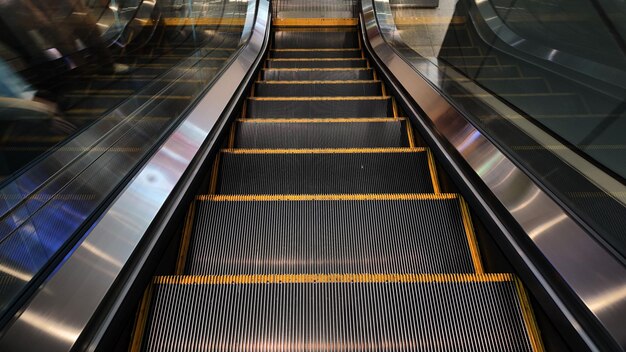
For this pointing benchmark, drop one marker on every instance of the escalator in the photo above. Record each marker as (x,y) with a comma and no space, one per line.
(325,226)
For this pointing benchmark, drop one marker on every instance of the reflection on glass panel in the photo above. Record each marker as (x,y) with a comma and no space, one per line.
(515,65)
(88,88)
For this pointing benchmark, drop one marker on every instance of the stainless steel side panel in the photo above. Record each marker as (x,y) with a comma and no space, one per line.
(595,276)
(57,315)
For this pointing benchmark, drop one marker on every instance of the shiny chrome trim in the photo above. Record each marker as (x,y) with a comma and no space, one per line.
(60,311)
(593,274)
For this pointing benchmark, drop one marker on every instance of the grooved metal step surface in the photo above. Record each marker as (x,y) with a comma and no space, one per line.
(318,89)
(317,63)
(422,313)
(324,171)
(315,39)
(391,234)
(321,133)
(316,53)
(306,107)
(328,74)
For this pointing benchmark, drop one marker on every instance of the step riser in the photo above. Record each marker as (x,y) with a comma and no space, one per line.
(278,54)
(358,63)
(319,90)
(321,135)
(319,108)
(356,173)
(315,40)
(314,75)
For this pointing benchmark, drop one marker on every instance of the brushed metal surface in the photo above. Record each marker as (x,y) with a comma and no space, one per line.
(594,275)
(57,315)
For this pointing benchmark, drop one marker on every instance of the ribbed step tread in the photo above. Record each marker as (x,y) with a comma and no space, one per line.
(315,54)
(374,133)
(318,88)
(427,313)
(317,63)
(274,74)
(324,108)
(417,234)
(314,40)
(324,172)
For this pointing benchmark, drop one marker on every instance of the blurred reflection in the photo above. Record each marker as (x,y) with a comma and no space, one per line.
(87,89)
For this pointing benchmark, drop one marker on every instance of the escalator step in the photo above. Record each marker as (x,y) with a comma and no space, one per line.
(304,107)
(321,133)
(328,74)
(317,63)
(324,171)
(316,54)
(418,233)
(315,39)
(339,312)
(317,88)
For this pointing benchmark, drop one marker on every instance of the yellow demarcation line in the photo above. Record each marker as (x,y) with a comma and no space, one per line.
(244,109)
(318,59)
(409,133)
(323,82)
(329,278)
(322,120)
(315,22)
(383,88)
(321,69)
(185,239)
(324,151)
(394,106)
(215,174)
(529,317)
(318,49)
(312,98)
(231,137)
(203,21)
(324,197)
(471,236)
(433,171)
(142,320)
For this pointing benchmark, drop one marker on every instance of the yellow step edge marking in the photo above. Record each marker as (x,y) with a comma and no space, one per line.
(244,109)
(203,21)
(215,174)
(185,239)
(233,133)
(409,133)
(316,98)
(321,69)
(325,151)
(369,81)
(433,172)
(318,59)
(318,49)
(394,106)
(315,22)
(329,278)
(323,120)
(324,197)
(141,320)
(471,236)
(529,317)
